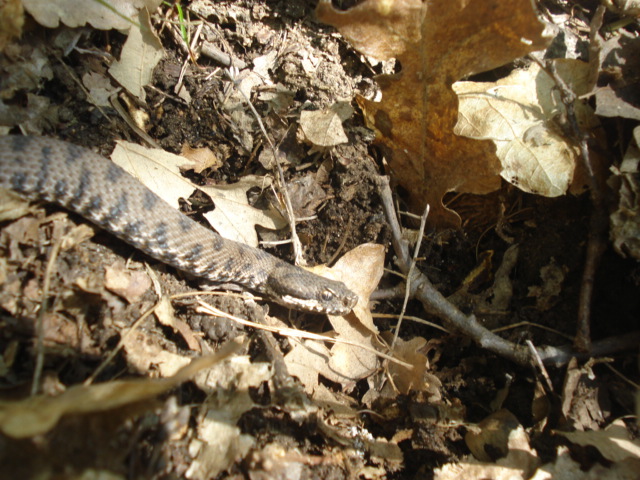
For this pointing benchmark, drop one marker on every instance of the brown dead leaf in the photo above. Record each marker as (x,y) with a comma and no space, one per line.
(201,159)
(37,415)
(126,283)
(404,379)
(166,315)
(437,43)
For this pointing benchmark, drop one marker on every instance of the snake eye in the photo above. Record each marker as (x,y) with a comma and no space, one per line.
(326,295)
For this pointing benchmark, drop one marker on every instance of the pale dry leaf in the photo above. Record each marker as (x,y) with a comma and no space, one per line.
(200,158)
(614,442)
(519,115)
(323,128)
(617,91)
(360,269)
(38,414)
(491,436)
(306,360)
(116,14)
(565,468)
(233,217)
(157,169)
(220,442)
(140,54)
(99,87)
(165,314)
(128,284)
(145,354)
(519,464)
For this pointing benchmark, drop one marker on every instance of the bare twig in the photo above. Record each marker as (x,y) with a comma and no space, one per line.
(434,302)
(295,240)
(598,223)
(423,223)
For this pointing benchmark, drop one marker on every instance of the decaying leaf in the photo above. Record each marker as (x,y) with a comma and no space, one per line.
(99,87)
(11,21)
(520,462)
(219,441)
(565,468)
(437,43)
(618,85)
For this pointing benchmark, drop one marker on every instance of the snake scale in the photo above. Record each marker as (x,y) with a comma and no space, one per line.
(41,168)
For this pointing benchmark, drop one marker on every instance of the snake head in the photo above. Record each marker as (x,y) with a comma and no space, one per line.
(296,288)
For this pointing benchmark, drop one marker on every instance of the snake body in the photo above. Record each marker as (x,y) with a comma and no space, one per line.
(41,168)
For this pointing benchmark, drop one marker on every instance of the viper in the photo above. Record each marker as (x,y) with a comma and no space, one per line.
(50,170)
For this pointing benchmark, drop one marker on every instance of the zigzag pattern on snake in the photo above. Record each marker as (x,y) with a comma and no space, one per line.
(84,182)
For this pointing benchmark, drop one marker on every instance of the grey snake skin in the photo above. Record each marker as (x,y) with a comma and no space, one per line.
(84,182)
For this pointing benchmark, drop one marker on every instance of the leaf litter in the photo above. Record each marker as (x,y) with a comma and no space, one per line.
(385,419)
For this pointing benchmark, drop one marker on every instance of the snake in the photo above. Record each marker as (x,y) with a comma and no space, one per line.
(46,169)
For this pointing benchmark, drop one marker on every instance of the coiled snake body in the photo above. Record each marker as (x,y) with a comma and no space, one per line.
(85,182)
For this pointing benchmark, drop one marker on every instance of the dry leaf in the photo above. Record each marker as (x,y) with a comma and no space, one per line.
(614,443)
(165,314)
(565,468)
(117,14)
(37,415)
(200,158)
(233,217)
(519,115)
(11,21)
(404,379)
(617,92)
(128,284)
(625,220)
(140,54)
(519,464)
(361,270)
(323,128)
(437,43)
(220,442)
(99,87)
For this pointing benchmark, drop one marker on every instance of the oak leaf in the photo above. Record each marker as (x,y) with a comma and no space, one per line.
(437,43)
